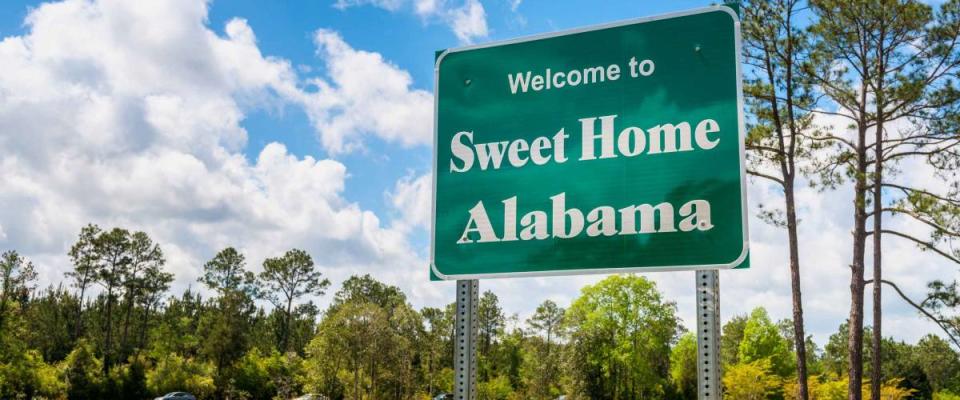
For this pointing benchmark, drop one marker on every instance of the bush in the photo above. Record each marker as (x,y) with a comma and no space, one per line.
(265,377)
(82,370)
(749,381)
(175,373)
(129,381)
(498,388)
(27,376)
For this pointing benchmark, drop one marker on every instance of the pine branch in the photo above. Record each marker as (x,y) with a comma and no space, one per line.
(926,245)
(922,310)
(765,176)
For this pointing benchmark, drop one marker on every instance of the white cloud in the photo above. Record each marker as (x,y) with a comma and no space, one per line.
(129,114)
(391,5)
(412,198)
(365,95)
(467,20)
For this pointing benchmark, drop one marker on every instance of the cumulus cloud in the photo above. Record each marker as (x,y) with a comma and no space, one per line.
(412,198)
(365,95)
(391,5)
(130,114)
(467,19)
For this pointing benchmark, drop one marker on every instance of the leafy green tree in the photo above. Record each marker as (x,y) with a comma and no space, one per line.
(227,327)
(113,259)
(490,321)
(544,357)
(16,274)
(83,255)
(507,356)
(619,343)
(498,388)
(365,289)
(226,272)
(437,346)
(751,380)
(683,366)
(48,323)
(155,285)
(25,375)
(351,338)
(940,363)
(287,279)
(730,340)
(82,370)
(762,341)
(177,373)
(368,344)
(177,329)
(267,376)
(128,381)
(146,262)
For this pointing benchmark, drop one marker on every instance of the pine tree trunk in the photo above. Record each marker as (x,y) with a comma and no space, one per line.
(855,332)
(108,338)
(78,329)
(877,250)
(800,343)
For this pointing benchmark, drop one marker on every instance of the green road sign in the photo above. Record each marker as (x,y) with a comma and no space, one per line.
(608,149)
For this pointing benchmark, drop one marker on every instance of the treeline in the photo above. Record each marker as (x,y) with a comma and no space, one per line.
(620,339)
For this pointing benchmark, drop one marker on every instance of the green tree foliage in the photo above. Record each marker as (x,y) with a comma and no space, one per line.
(82,370)
(368,344)
(730,338)
(26,375)
(437,348)
(619,345)
(618,340)
(939,362)
(286,279)
(16,275)
(491,321)
(48,322)
(177,373)
(683,366)
(762,341)
(268,376)
(542,364)
(227,329)
(751,380)
(83,254)
(898,360)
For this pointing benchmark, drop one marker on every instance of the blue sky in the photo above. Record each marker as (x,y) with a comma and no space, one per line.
(256,124)
(284,29)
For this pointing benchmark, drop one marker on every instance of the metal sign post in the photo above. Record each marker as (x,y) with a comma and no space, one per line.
(708,334)
(465,353)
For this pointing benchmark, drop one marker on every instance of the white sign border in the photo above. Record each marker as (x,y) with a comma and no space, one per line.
(610,270)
